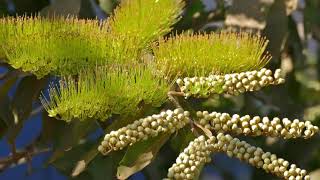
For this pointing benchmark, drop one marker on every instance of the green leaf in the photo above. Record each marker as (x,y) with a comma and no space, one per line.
(107,5)
(140,155)
(68,161)
(93,152)
(3,128)
(68,135)
(182,139)
(100,168)
(62,7)
(6,117)
(104,167)
(27,91)
(51,129)
(3,8)
(29,6)
(87,10)
(90,155)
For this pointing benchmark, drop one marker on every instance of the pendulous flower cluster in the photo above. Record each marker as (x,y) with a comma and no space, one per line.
(191,160)
(256,126)
(233,84)
(188,164)
(142,129)
(255,156)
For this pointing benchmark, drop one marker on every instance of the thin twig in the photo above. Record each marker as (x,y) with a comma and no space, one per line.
(172,97)
(36,111)
(175,93)
(18,156)
(3,75)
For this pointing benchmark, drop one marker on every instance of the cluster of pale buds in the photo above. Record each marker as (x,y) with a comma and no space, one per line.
(257,157)
(188,164)
(256,126)
(142,129)
(232,84)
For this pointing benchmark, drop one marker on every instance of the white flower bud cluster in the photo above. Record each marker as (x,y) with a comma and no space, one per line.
(257,157)
(233,84)
(256,126)
(142,129)
(189,163)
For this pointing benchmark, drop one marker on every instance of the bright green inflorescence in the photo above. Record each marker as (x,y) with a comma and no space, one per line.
(65,46)
(100,94)
(202,55)
(137,23)
(60,46)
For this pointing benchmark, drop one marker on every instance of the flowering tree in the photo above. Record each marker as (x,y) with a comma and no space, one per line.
(124,76)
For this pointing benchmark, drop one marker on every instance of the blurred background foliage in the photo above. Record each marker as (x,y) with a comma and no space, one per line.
(293,28)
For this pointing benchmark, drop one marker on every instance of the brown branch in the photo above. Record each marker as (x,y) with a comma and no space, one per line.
(172,97)
(16,157)
(3,75)
(36,111)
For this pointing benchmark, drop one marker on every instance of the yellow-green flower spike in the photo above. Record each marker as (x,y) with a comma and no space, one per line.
(255,156)
(142,129)
(233,84)
(137,23)
(59,46)
(201,55)
(101,93)
(256,126)
(189,163)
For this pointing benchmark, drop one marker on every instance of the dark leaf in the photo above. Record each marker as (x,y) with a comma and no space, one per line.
(276,29)
(62,7)
(107,5)
(3,128)
(27,91)
(69,136)
(206,131)
(104,167)
(100,168)
(86,10)
(182,139)
(6,116)
(248,14)
(68,161)
(93,152)
(140,155)
(29,6)
(116,124)
(51,129)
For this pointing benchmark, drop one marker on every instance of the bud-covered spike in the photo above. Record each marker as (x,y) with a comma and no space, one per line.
(256,126)
(188,164)
(142,129)
(233,84)
(257,157)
